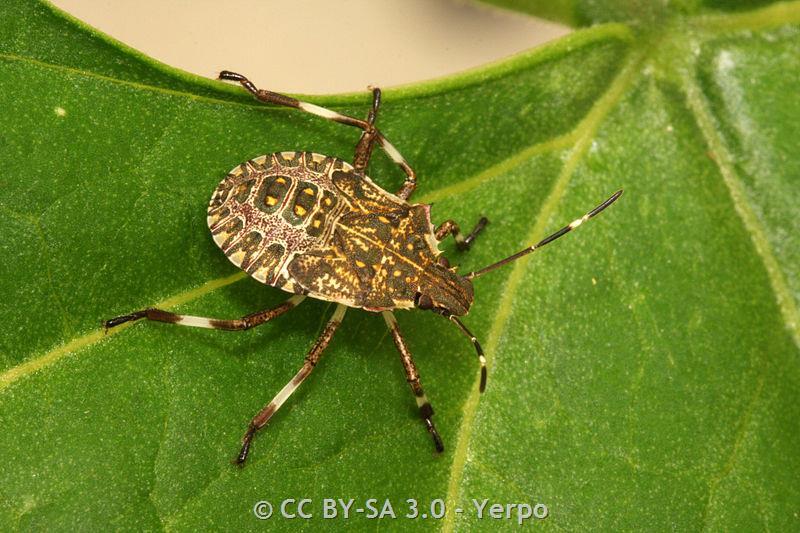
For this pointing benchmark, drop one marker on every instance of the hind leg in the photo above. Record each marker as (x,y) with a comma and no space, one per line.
(263,416)
(370,136)
(238,324)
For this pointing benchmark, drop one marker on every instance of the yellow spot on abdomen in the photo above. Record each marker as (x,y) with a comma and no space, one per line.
(270,200)
(383,219)
(360,264)
(299,210)
(280,180)
(309,191)
(316,223)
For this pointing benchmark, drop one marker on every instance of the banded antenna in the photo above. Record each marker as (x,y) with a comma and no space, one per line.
(566,229)
(550,238)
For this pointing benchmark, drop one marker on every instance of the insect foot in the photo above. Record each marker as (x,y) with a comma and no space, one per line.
(118,320)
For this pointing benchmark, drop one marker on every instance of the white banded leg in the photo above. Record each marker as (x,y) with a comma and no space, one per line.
(412,376)
(263,416)
(373,133)
(410,184)
(239,324)
(478,350)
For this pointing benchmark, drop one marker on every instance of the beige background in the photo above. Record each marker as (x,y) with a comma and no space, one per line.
(317,46)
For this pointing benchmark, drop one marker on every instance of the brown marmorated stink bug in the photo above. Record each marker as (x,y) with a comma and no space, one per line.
(314,225)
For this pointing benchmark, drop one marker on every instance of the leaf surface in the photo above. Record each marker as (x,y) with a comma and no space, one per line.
(643,372)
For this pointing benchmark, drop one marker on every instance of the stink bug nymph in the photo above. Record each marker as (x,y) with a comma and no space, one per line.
(317,226)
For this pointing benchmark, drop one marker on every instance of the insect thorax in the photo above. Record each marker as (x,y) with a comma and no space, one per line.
(307,223)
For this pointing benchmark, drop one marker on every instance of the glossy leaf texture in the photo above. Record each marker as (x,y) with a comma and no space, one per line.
(643,370)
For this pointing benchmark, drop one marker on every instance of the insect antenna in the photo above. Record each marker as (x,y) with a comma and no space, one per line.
(481,357)
(550,238)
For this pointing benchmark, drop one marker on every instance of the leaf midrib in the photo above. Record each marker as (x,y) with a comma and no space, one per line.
(46,359)
(787,305)
(583,133)
(775,15)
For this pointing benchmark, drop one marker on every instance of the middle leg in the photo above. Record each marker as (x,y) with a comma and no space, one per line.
(412,376)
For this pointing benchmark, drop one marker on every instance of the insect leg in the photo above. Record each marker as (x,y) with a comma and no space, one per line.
(367,140)
(239,324)
(410,184)
(263,416)
(279,99)
(412,376)
(450,227)
(478,350)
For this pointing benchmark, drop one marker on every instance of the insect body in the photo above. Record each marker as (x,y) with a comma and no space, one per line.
(317,226)
(309,224)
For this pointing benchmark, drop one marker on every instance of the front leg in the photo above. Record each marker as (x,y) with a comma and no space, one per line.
(450,227)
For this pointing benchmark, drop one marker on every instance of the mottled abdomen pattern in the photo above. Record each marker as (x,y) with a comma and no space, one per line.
(310,224)
(269,209)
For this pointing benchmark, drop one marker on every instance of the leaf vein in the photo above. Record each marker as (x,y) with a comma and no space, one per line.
(584,133)
(229,471)
(741,434)
(499,169)
(33,365)
(773,15)
(758,235)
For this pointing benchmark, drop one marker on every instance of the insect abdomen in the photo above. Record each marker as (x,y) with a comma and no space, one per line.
(269,209)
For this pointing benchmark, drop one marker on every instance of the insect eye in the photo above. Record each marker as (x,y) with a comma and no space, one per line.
(423,301)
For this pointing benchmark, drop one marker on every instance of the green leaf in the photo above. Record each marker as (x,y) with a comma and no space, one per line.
(643,372)
(637,13)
